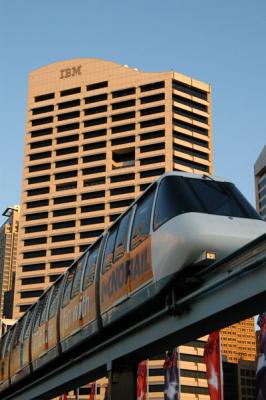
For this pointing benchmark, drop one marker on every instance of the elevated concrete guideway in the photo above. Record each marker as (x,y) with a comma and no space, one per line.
(228,291)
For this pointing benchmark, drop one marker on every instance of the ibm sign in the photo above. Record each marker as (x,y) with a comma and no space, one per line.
(70,72)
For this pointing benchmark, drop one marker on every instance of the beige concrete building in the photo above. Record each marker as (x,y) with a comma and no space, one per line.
(97,134)
(8,259)
(239,341)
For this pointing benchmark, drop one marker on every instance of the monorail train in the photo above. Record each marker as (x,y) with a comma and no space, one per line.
(169,228)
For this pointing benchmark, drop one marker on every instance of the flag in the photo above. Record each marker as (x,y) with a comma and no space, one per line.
(261,363)
(171,376)
(213,365)
(142,380)
(93,391)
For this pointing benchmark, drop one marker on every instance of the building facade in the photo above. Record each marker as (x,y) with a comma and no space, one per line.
(260,183)
(8,259)
(238,341)
(97,134)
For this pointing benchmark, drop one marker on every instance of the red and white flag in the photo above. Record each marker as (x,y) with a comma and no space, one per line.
(212,358)
(142,380)
(93,391)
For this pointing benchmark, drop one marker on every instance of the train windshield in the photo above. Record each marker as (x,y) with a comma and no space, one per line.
(182,195)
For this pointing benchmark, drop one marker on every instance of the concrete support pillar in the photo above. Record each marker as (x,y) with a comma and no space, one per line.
(122,382)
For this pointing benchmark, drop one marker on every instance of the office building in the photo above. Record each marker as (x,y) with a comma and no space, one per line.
(260,183)
(238,341)
(8,259)
(97,134)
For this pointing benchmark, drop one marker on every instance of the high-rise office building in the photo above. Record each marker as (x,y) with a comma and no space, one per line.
(260,183)
(8,259)
(97,134)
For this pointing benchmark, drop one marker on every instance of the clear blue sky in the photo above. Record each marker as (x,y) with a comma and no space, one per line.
(220,42)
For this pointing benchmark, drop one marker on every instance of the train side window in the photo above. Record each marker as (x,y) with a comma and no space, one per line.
(142,219)
(38,314)
(28,323)
(77,277)
(9,342)
(18,329)
(68,285)
(54,299)
(91,266)
(109,249)
(43,317)
(121,239)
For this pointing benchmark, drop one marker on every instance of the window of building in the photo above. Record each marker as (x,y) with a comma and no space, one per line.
(33,280)
(97,85)
(67,127)
(123,158)
(43,97)
(123,92)
(42,121)
(152,122)
(95,110)
(65,199)
(71,91)
(123,128)
(41,132)
(96,133)
(68,104)
(191,90)
(67,139)
(40,156)
(41,110)
(96,98)
(64,224)
(123,104)
(152,86)
(69,115)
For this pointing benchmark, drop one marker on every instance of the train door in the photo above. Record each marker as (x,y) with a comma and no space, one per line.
(6,355)
(16,356)
(71,302)
(114,279)
(52,337)
(38,339)
(88,306)
(140,243)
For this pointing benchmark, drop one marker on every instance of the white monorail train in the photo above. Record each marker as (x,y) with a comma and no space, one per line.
(171,227)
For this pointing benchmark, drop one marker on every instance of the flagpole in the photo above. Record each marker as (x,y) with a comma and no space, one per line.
(178,371)
(221,367)
(148,378)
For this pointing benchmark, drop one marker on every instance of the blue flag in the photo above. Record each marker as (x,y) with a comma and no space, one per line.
(171,376)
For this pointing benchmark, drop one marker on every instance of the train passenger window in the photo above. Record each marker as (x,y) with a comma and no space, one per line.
(68,285)
(43,317)
(38,314)
(28,323)
(142,219)
(109,249)
(91,266)
(18,329)
(121,239)
(54,299)
(77,277)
